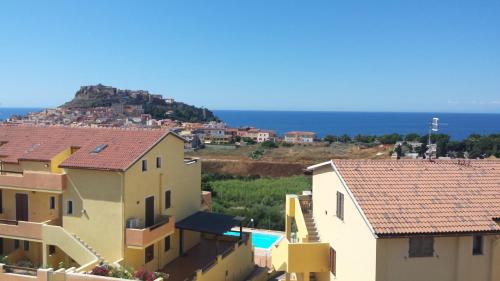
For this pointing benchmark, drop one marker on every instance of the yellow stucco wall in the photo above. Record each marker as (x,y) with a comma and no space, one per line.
(352,238)
(452,261)
(234,267)
(38,205)
(97,210)
(184,182)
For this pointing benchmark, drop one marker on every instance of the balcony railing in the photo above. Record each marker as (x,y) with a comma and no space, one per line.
(33,180)
(142,237)
(21,229)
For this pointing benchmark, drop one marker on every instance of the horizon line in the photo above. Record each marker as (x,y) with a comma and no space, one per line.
(295,110)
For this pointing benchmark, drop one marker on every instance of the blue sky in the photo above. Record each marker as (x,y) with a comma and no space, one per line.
(271,55)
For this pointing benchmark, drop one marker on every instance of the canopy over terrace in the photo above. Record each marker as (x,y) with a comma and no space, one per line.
(206,222)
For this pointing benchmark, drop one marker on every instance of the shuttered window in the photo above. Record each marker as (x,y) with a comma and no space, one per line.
(421,247)
(149,253)
(477,245)
(166,245)
(340,205)
(52,202)
(333,261)
(168,199)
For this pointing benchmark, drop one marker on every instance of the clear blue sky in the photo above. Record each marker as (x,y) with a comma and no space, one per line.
(285,55)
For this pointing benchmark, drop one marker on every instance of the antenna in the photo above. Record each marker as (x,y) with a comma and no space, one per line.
(432,148)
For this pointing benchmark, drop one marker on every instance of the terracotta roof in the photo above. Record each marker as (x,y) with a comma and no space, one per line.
(42,143)
(419,196)
(300,133)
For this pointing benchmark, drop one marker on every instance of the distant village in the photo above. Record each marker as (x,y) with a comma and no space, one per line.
(198,135)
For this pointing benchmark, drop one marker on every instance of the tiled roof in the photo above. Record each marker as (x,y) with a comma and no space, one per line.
(419,196)
(300,133)
(42,143)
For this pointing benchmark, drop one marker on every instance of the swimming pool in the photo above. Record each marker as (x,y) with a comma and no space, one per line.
(259,239)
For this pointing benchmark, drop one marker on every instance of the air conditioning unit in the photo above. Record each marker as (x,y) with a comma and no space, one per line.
(133,223)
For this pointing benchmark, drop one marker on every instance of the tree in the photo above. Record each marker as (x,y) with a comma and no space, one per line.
(412,137)
(269,145)
(399,151)
(345,138)
(390,138)
(330,138)
(249,140)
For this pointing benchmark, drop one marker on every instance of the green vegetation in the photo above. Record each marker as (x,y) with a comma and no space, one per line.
(261,199)
(474,146)
(269,145)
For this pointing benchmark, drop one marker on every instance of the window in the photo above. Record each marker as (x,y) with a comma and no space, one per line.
(158,162)
(421,247)
(52,249)
(99,148)
(70,207)
(1,246)
(477,245)
(340,205)
(149,253)
(168,199)
(52,202)
(144,165)
(26,245)
(1,202)
(166,245)
(333,261)
(16,244)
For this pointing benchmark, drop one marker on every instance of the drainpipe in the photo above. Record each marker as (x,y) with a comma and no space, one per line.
(122,177)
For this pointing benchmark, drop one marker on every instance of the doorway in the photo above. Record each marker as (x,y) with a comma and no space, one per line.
(21,207)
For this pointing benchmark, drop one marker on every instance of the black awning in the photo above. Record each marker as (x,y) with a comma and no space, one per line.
(207,222)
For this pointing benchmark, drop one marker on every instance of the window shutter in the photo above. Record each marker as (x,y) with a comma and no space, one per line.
(340,205)
(333,261)
(168,199)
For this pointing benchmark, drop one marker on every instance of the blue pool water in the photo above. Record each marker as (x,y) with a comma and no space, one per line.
(259,239)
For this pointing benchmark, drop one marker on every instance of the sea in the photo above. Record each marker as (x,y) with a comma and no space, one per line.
(458,125)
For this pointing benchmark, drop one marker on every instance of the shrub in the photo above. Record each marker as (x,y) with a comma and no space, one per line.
(268,145)
(249,140)
(101,270)
(121,272)
(143,275)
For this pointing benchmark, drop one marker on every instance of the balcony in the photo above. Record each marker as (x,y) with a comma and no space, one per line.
(141,237)
(21,229)
(33,180)
(301,251)
(301,257)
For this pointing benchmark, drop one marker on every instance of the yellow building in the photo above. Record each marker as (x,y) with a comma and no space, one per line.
(76,197)
(395,220)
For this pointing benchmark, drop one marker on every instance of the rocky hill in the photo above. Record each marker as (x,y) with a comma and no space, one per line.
(105,96)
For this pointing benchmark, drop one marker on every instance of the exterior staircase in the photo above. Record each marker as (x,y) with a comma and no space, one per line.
(100,259)
(313,235)
(71,244)
(312,231)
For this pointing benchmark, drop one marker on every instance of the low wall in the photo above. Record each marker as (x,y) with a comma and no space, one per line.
(51,275)
(231,267)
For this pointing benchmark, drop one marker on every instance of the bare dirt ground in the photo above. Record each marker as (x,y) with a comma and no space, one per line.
(281,161)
